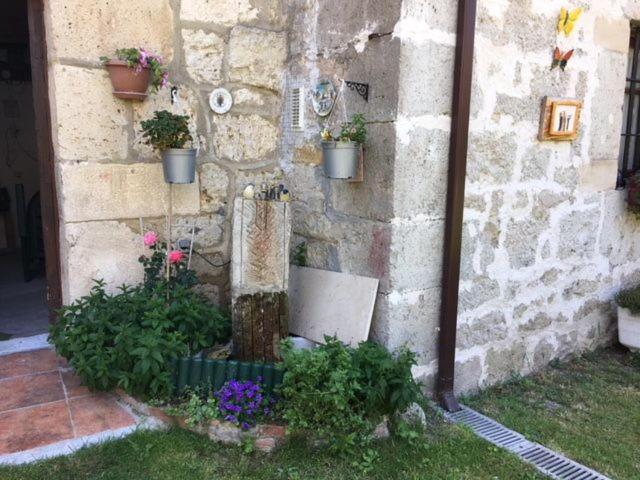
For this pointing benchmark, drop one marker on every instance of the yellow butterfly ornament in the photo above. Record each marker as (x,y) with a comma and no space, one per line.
(568,19)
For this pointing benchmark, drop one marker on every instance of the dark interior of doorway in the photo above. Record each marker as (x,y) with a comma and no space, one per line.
(23,309)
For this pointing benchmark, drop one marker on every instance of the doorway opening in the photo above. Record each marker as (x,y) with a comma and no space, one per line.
(23,298)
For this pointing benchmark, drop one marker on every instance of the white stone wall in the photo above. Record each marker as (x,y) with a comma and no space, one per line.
(547,240)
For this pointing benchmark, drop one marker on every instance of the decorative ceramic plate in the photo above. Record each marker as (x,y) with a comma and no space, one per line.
(220,100)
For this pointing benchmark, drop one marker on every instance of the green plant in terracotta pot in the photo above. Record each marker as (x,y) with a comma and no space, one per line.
(341,155)
(169,134)
(133,70)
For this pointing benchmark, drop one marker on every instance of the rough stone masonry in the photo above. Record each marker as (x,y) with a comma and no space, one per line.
(547,239)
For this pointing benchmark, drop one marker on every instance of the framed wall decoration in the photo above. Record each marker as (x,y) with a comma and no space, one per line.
(560,119)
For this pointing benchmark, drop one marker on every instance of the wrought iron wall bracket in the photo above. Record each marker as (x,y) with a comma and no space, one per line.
(361,88)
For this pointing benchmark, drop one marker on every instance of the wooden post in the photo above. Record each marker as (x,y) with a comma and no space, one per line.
(260,278)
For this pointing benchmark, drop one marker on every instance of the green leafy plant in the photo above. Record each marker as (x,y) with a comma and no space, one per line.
(139,58)
(630,299)
(129,339)
(340,393)
(166,130)
(355,130)
(299,256)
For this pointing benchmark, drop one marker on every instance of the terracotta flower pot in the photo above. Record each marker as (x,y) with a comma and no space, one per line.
(128,82)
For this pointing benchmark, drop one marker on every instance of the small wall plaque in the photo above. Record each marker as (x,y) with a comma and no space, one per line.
(220,100)
(560,119)
(323,97)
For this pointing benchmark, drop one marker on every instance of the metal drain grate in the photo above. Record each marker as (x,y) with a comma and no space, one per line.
(547,461)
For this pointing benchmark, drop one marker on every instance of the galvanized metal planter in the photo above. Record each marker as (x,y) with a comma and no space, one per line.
(179,165)
(200,372)
(341,159)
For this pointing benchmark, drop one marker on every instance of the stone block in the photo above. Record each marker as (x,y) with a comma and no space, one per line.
(416,255)
(599,175)
(214,184)
(467,376)
(522,241)
(241,138)
(426,79)
(433,13)
(257,57)
(342,23)
(501,364)
(492,158)
(99,250)
(203,55)
(372,198)
(577,236)
(409,319)
(228,13)
(261,237)
(90,122)
(308,155)
(612,34)
(482,289)
(491,327)
(107,192)
(420,173)
(87,29)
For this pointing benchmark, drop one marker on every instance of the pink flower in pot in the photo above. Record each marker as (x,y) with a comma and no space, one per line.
(150,238)
(176,256)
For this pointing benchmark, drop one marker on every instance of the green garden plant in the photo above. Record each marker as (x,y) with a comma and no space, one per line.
(630,299)
(340,394)
(166,130)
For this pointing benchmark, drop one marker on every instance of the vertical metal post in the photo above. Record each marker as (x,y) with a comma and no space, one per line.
(455,202)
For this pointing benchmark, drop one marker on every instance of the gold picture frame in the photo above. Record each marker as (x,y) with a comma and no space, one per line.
(560,119)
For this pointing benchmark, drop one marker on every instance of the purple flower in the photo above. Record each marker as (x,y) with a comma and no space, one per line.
(243,403)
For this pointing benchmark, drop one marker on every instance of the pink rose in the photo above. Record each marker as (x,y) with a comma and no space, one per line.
(176,256)
(150,239)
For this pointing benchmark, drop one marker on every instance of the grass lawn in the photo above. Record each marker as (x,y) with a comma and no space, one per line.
(448,453)
(588,408)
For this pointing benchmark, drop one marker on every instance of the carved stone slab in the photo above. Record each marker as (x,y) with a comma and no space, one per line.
(331,303)
(260,251)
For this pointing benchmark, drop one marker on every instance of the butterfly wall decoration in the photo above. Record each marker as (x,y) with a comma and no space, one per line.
(568,19)
(560,58)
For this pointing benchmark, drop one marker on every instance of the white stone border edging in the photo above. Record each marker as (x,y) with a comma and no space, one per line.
(24,344)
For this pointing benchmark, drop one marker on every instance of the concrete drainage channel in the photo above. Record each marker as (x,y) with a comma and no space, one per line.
(547,461)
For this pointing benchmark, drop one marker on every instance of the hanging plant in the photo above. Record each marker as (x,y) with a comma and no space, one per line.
(133,70)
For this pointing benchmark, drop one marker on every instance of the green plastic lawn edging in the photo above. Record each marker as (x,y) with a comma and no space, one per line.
(192,372)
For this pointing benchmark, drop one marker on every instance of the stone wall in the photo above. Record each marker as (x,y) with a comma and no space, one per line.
(547,240)
(107,179)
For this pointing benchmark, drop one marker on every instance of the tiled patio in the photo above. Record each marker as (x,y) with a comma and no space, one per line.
(42,402)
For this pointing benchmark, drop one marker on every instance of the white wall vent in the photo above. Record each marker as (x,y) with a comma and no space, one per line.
(297,109)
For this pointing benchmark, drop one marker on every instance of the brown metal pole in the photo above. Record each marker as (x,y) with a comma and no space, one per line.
(455,202)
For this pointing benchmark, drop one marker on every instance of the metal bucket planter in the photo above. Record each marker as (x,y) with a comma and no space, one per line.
(179,165)
(199,372)
(341,159)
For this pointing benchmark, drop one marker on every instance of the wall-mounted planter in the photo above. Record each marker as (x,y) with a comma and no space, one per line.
(341,159)
(128,83)
(628,328)
(199,372)
(179,165)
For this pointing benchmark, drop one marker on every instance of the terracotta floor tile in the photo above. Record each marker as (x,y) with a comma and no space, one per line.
(97,413)
(34,427)
(74,385)
(30,390)
(27,362)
